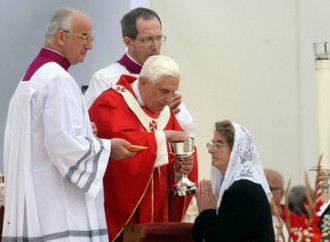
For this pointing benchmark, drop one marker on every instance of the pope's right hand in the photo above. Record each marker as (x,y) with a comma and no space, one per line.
(174,105)
(176,136)
(119,149)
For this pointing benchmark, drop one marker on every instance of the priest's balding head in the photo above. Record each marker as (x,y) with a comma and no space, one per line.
(276,184)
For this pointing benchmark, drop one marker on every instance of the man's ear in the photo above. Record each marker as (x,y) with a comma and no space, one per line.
(127,41)
(143,80)
(143,83)
(60,37)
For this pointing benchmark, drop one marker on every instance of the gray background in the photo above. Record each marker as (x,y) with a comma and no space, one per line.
(23,24)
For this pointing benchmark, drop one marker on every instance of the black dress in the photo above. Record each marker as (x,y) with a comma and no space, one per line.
(244,215)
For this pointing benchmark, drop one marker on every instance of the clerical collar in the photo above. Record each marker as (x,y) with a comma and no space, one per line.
(45,55)
(131,65)
(135,87)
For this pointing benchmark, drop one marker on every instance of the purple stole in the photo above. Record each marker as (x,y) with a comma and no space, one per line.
(130,65)
(45,56)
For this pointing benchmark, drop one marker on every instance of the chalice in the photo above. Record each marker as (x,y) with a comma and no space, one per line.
(183,149)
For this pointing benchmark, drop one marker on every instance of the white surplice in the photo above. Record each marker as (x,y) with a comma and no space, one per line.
(54,166)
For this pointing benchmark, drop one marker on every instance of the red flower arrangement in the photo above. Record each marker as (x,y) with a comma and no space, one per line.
(307,228)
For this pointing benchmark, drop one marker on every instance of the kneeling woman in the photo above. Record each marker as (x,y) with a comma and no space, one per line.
(234,205)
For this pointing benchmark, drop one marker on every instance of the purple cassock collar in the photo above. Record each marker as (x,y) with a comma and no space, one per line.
(45,55)
(131,66)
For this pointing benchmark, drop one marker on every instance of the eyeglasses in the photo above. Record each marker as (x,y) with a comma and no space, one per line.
(83,36)
(275,188)
(151,40)
(215,145)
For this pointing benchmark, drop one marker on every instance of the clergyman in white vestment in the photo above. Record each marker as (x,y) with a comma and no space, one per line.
(142,35)
(54,165)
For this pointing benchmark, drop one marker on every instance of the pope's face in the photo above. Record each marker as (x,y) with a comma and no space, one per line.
(160,94)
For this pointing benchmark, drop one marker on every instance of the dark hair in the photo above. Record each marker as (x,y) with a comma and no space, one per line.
(128,22)
(226,128)
(297,197)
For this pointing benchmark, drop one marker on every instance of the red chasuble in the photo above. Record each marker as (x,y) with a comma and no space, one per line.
(135,191)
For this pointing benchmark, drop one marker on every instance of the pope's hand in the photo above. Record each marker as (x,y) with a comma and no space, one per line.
(120,149)
(175,136)
(174,105)
(186,164)
(94,128)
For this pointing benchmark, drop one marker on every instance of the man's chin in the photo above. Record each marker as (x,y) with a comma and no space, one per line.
(152,54)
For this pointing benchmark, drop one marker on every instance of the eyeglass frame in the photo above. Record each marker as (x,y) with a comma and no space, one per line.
(275,188)
(216,145)
(83,36)
(151,40)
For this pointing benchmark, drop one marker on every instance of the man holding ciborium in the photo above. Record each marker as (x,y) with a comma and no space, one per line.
(140,189)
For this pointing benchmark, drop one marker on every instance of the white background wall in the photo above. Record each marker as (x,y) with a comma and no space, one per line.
(251,62)
(239,61)
(248,61)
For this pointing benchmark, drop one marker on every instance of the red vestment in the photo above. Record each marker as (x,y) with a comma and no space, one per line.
(136,191)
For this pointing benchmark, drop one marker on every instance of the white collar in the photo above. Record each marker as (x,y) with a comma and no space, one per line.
(132,59)
(135,87)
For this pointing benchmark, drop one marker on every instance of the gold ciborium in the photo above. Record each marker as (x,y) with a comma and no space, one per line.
(183,149)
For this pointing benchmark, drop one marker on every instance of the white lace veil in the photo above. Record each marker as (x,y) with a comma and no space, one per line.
(244,163)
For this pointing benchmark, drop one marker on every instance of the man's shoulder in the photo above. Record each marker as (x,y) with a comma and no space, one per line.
(115,69)
(109,97)
(52,68)
(49,72)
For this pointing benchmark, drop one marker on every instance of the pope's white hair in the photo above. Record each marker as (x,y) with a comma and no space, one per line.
(157,67)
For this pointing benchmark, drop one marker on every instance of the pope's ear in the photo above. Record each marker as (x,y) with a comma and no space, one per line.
(143,80)
(143,83)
